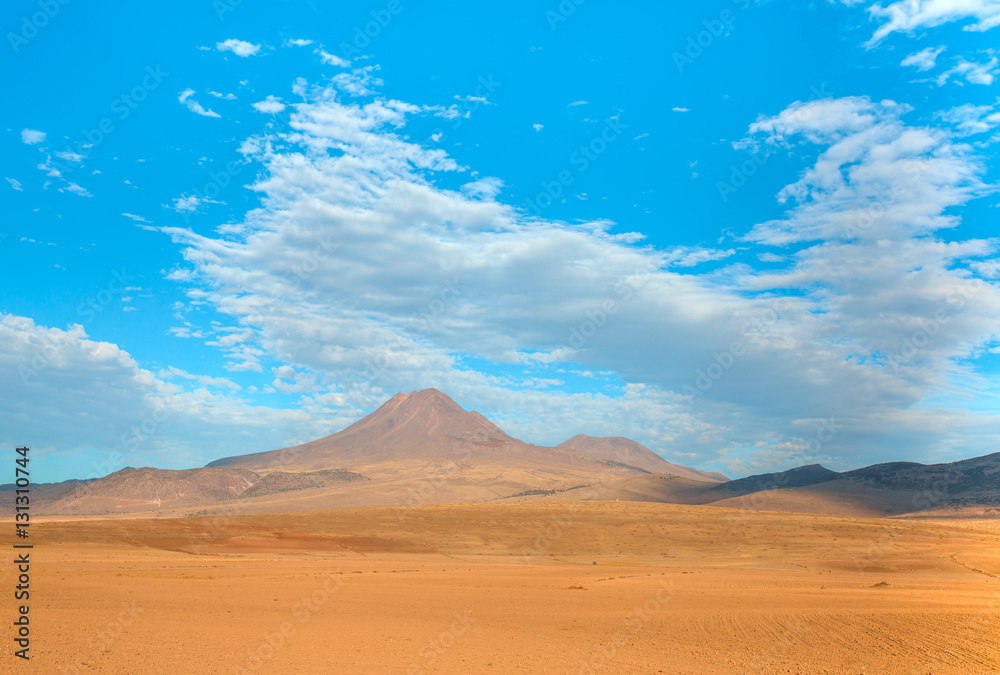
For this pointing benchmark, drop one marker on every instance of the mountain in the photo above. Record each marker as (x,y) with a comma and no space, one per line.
(415,428)
(891,489)
(416,448)
(882,489)
(424,448)
(798,477)
(627,451)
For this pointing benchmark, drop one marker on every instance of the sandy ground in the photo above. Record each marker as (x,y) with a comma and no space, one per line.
(498,588)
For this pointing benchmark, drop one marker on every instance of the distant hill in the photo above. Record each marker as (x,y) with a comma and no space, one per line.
(628,451)
(798,477)
(895,488)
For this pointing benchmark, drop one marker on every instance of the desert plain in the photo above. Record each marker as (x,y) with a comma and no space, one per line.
(536,587)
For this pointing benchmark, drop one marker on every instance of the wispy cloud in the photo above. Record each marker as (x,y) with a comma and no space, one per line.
(194,106)
(189,203)
(332,59)
(923,60)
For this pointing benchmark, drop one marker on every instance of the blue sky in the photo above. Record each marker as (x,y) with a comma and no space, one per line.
(748,234)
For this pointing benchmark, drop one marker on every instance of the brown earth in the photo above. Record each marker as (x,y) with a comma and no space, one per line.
(513,588)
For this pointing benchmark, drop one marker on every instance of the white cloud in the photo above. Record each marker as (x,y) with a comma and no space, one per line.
(72,394)
(189,203)
(923,60)
(971,119)
(204,380)
(32,136)
(301,383)
(138,219)
(973,71)
(70,157)
(72,187)
(362,269)
(537,127)
(224,97)
(332,59)
(298,42)
(194,106)
(238,47)
(15,184)
(676,109)
(577,103)
(271,104)
(907,16)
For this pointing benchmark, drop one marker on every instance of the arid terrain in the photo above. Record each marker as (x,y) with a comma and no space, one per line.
(562,587)
(424,539)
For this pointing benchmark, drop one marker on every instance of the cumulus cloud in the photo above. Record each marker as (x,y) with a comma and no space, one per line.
(194,106)
(32,136)
(271,104)
(15,184)
(238,47)
(361,268)
(72,394)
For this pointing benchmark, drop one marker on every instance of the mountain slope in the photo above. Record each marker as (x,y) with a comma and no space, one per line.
(627,451)
(416,428)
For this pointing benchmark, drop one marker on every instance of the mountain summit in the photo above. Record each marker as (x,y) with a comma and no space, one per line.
(420,425)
